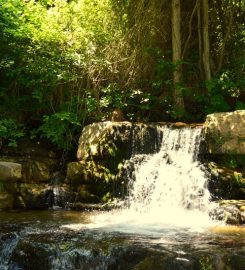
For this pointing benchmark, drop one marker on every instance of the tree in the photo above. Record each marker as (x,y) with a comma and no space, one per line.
(176,47)
(206,47)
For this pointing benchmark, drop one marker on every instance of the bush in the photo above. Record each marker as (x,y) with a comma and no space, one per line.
(10,131)
(60,129)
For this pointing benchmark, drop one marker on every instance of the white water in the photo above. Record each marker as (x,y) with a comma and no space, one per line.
(169,190)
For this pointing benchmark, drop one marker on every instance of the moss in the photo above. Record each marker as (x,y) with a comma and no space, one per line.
(148,263)
(107,197)
(87,197)
(226,183)
(205,263)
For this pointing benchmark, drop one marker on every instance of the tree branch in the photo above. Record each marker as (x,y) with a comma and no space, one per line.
(190,29)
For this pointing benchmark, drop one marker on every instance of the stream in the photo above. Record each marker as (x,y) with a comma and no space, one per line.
(165,222)
(42,240)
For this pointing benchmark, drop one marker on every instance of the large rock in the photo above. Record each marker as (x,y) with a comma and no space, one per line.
(36,196)
(226,183)
(10,171)
(225,133)
(37,161)
(230,211)
(34,169)
(107,138)
(27,174)
(6,200)
(9,196)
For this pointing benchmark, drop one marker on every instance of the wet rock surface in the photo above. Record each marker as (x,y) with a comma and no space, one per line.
(231,212)
(225,139)
(26,175)
(105,149)
(102,169)
(226,183)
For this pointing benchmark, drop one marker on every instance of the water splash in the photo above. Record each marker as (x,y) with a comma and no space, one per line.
(168,190)
(171,179)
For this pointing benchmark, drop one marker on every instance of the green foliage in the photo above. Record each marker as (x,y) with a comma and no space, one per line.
(239,179)
(128,100)
(223,91)
(60,128)
(10,131)
(70,63)
(112,97)
(164,70)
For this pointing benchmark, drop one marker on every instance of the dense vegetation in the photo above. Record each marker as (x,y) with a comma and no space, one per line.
(64,64)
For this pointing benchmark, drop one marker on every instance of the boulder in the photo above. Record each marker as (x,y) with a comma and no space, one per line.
(103,148)
(34,170)
(63,195)
(230,211)
(107,138)
(37,160)
(77,172)
(36,196)
(6,200)
(81,172)
(9,196)
(10,171)
(226,183)
(225,133)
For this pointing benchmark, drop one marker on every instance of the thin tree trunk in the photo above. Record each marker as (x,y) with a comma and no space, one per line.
(190,28)
(200,39)
(206,49)
(225,40)
(176,46)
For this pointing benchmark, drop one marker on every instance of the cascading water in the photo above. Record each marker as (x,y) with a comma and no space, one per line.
(169,188)
(167,205)
(171,184)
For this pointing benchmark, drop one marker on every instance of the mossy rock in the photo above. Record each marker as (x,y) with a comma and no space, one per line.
(36,196)
(10,171)
(106,138)
(230,211)
(225,133)
(226,183)
(6,201)
(87,197)
(89,172)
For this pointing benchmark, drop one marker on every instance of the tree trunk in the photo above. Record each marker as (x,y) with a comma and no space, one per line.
(200,45)
(225,40)
(206,49)
(176,46)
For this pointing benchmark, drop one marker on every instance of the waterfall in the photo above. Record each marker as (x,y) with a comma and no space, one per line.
(172,182)
(167,189)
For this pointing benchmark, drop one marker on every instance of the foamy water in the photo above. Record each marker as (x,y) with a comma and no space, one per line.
(169,191)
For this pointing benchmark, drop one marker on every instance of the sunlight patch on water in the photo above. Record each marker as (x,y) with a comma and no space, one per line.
(157,223)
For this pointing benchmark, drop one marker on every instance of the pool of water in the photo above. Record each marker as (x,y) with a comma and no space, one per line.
(68,240)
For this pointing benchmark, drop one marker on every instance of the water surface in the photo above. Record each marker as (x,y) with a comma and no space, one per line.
(43,240)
